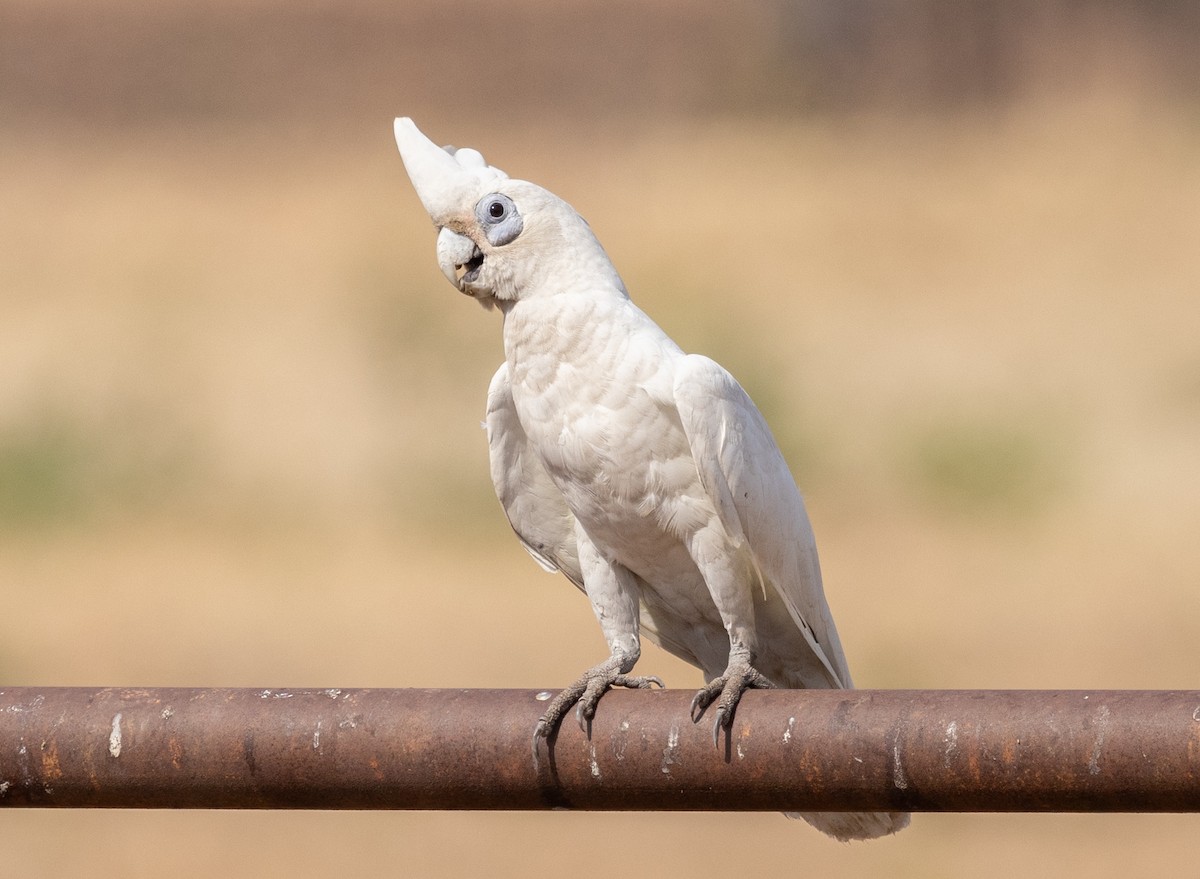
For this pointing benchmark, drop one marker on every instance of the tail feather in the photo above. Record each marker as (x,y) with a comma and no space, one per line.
(847,826)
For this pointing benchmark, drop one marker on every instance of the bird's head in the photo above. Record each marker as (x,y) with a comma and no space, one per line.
(501,240)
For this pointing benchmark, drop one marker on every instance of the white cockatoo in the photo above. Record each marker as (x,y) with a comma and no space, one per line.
(644,474)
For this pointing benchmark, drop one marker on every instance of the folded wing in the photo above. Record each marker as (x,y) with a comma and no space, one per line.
(748,480)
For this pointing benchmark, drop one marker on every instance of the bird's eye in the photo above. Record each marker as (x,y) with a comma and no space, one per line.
(500,219)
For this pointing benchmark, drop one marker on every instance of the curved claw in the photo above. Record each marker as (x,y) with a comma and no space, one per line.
(718,725)
(539,732)
(699,703)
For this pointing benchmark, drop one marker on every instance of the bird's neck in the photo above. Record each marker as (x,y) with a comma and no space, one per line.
(576,337)
(544,335)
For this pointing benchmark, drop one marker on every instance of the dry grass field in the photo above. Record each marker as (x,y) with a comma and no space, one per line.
(240,445)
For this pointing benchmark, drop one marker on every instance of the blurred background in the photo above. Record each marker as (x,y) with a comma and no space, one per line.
(950,249)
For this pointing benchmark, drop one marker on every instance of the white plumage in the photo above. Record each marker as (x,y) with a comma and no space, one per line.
(644,474)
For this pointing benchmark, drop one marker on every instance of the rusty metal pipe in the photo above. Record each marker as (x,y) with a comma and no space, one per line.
(922,750)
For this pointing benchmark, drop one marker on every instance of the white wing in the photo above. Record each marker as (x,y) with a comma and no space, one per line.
(534,505)
(744,473)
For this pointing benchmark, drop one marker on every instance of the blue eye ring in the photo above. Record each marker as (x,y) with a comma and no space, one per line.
(498,216)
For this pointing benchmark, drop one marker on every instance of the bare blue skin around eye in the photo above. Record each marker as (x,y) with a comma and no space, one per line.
(499,219)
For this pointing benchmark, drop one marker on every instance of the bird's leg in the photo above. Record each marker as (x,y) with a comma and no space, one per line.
(731,578)
(613,592)
(726,690)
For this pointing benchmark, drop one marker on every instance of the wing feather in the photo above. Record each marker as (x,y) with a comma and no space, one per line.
(748,480)
(532,502)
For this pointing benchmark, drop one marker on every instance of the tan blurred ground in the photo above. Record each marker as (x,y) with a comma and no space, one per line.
(239,413)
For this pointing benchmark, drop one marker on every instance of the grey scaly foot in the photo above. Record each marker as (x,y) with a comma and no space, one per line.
(585,693)
(726,690)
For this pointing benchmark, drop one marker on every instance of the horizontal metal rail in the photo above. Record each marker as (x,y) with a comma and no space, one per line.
(922,750)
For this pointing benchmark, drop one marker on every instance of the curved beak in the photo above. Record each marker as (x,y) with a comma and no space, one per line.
(458,257)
